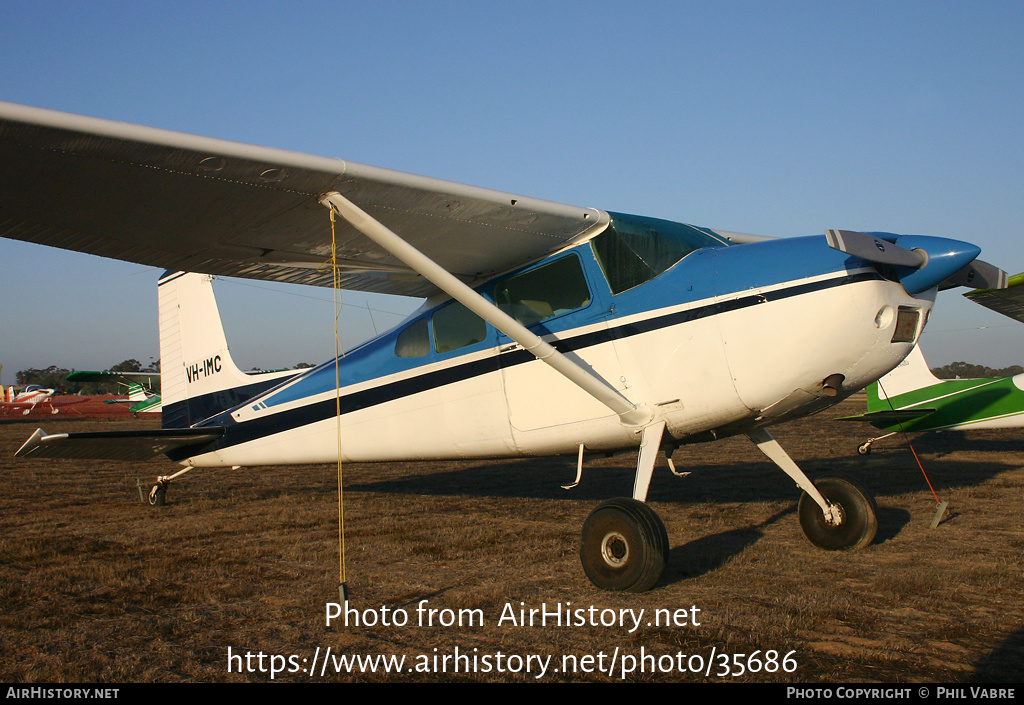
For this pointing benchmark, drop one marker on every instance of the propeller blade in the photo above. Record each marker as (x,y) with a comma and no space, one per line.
(977,275)
(875,249)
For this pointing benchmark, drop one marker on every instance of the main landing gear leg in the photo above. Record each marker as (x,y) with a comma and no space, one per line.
(835,513)
(624,545)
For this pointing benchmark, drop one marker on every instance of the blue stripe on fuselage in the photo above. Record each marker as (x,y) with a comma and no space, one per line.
(721,275)
(700,276)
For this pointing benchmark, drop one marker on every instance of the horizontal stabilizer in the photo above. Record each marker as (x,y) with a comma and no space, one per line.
(889,416)
(115,445)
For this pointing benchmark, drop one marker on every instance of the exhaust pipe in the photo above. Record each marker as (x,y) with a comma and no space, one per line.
(832,385)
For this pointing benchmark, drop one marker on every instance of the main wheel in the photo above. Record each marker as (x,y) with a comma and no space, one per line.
(858,521)
(624,546)
(158,495)
(864,448)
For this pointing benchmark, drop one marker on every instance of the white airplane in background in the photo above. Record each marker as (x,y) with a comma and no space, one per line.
(547,329)
(32,396)
(138,385)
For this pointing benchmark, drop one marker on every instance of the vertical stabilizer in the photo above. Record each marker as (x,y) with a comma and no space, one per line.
(136,392)
(910,375)
(198,376)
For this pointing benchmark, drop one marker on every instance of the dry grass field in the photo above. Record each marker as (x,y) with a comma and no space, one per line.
(97,587)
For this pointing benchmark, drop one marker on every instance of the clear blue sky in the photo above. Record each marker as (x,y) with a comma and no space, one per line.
(776,118)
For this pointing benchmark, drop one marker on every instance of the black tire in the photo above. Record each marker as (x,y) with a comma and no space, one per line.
(859,516)
(624,546)
(158,495)
(864,448)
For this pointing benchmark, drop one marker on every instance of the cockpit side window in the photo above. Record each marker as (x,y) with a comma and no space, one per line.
(544,292)
(634,249)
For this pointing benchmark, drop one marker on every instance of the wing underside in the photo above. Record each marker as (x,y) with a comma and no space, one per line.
(1008,301)
(190,203)
(107,376)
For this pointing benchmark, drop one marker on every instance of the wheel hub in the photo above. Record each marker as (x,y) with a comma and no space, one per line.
(615,549)
(835,516)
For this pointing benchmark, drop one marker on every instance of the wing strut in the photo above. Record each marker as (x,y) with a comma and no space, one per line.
(628,413)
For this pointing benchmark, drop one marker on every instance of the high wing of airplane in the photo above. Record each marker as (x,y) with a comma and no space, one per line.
(548,329)
(140,387)
(911,398)
(35,395)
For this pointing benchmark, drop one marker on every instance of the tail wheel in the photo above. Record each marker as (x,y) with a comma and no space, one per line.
(858,516)
(158,495)
(624,546)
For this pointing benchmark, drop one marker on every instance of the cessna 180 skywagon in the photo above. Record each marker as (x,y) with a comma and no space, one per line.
(547,328)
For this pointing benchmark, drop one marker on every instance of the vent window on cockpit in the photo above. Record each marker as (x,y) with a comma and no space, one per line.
(634,249)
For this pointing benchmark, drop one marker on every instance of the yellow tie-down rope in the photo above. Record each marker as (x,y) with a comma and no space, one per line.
(342,584)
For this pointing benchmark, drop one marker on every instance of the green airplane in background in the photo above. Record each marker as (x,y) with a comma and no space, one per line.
(139,386)
(911,398)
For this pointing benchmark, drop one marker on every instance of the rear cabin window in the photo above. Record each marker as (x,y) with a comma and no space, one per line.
(531,297)
(455,326)
(634,249)
(414,341)
(544,292)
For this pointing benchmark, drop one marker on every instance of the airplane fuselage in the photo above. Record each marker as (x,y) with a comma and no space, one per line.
(727,339)
(33,395)
(26,400)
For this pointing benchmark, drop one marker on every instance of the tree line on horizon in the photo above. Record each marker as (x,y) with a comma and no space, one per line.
(54,377)
(966,370)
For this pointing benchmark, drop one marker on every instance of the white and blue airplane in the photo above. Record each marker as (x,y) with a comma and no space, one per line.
(547,329)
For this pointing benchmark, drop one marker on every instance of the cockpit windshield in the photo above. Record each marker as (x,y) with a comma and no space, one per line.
(634,249)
